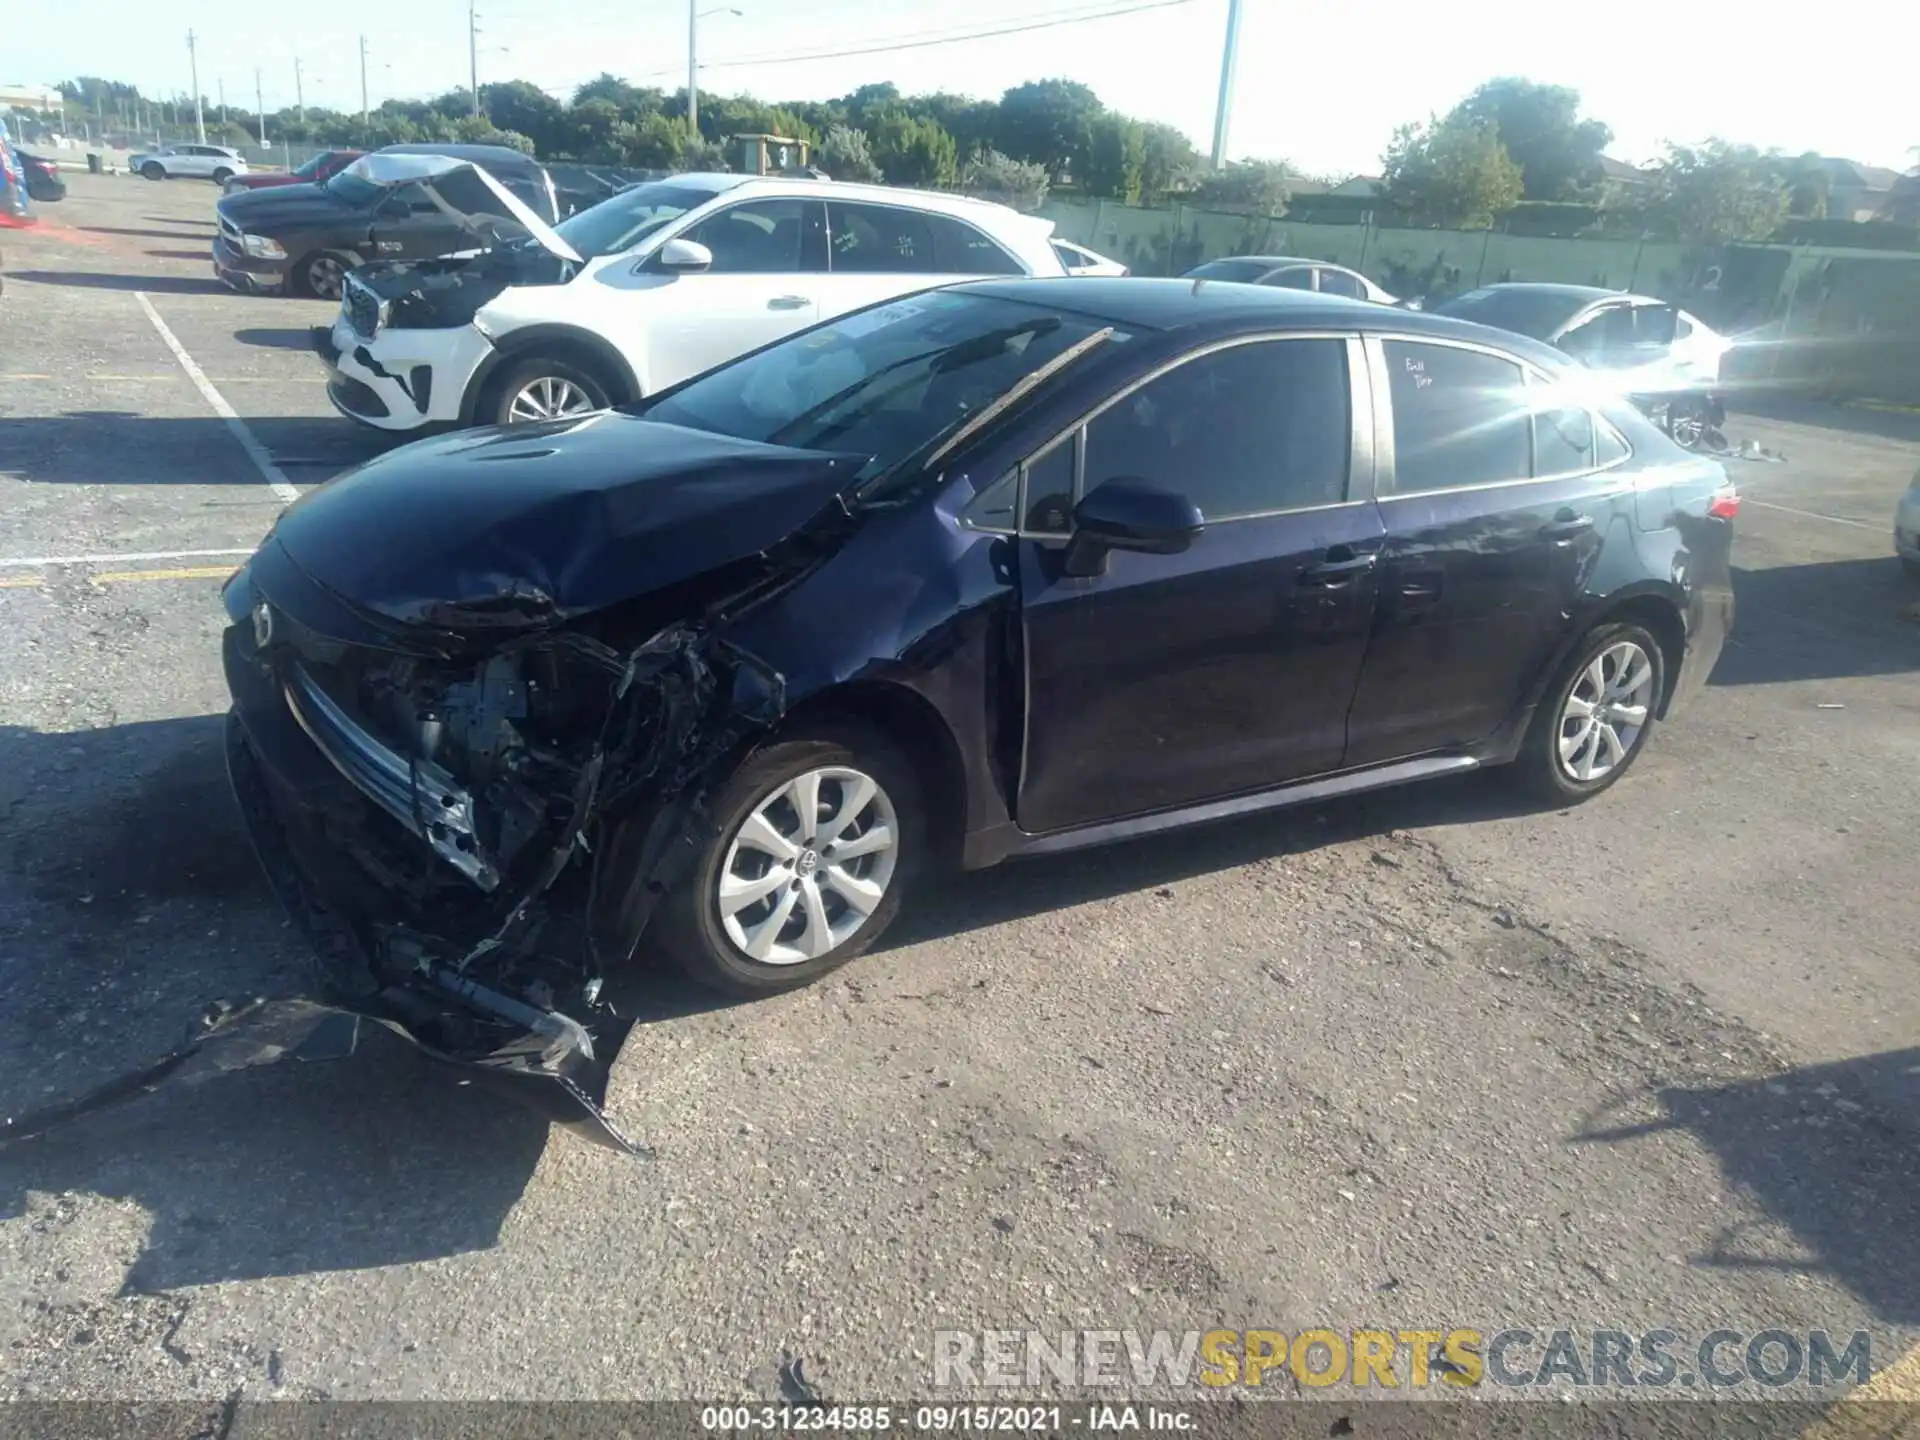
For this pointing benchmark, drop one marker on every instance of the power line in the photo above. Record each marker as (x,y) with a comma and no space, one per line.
(889,46)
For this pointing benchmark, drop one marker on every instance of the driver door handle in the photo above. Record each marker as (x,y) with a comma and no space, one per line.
(1565,525)
(788,302)
(1342,566)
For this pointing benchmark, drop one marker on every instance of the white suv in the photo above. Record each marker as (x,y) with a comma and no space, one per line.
(202,162)
(652,285)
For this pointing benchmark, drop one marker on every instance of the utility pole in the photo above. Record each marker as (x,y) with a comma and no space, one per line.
(222,82)
(363,82)
(260,107)
(1224,109)
(199,116)
(473,51)
(693,70)
(299,92)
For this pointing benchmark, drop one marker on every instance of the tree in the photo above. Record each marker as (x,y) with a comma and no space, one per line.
(1048,122)
(1253,187)
(1001,177)
(1450,172)
(1806,179)
(844,155)
(969,121)
(652,143)
(528,110)
(914,152)
(1116,156)
(1718,191)
(1168,163)
(1558,153)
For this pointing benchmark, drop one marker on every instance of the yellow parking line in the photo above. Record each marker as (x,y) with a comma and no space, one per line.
(1868,1412)
(191,572)
(122,577)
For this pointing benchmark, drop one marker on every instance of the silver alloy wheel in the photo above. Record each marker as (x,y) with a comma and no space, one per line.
(808,866)
(324,276)
(548,398)
(1606,711)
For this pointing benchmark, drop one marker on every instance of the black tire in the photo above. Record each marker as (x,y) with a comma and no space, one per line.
(689,927)
(1539,767)
(222,175)
(319,274)
(518,376)
(154,170)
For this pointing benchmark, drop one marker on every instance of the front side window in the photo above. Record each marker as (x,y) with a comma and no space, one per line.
(1247,430)
(760,237)
(1300,277)
(1240,272)
(886,382)
(1460,417)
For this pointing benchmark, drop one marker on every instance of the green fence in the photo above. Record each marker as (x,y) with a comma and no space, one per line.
(1844,323)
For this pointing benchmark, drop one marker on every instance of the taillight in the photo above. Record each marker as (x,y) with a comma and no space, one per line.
(1725,505)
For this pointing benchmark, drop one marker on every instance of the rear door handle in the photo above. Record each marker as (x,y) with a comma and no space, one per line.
(1566,525)
(788,302)
(1341,567)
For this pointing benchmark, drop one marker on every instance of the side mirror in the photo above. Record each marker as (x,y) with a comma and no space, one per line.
(1127,513)
(685,255)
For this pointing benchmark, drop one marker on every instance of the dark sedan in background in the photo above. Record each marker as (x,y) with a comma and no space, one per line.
(42,177)
(316,170)
(1001,569)
(406,202)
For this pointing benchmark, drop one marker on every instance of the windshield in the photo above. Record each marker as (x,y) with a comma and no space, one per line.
(311,167)
(352,189)
(885,382)
(1538,313)
(622,221)
(1243,272)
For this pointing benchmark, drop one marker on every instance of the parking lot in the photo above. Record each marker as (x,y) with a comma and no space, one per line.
(1422,1059)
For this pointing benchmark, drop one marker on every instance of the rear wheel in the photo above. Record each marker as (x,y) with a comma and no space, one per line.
(1595,718)
(154,170)
(222,175)
(321,275)
(541,389)
(813,843)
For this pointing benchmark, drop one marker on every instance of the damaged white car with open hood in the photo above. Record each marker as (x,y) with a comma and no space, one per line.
(653,285)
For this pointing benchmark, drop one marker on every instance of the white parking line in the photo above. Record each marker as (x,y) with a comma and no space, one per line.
(35,562)
(256,452)
(1807,514)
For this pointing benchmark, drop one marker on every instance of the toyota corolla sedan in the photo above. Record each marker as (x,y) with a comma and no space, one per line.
(1009,568)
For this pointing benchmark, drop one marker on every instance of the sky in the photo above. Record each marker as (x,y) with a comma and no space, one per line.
(1320,84)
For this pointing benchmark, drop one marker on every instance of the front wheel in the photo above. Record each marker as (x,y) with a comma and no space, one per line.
(154,170)
(813,843)
(539,389)
(321,276)
(1595,718)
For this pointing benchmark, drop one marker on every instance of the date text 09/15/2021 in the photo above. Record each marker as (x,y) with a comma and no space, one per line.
(946,1419)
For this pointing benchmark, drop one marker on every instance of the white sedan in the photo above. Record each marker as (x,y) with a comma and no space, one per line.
(199,162)
(1906,528)
(1081,261)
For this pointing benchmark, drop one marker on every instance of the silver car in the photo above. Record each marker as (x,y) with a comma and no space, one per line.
(199,162)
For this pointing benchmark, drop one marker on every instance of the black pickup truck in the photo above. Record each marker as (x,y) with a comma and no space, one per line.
(401,203)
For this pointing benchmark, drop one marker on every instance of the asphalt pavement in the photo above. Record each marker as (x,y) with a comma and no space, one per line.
(1422,1059)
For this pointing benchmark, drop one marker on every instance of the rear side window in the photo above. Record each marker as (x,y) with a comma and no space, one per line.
(1298,278)
(1562,440)
(1609,446)
(884,239)
(1339,282)
(1460,417)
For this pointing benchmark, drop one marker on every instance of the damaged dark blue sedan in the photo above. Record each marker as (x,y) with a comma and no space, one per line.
(1006,568)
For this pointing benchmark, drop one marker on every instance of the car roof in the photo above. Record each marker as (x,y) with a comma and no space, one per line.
(494,157)
(1571,292)
(1145,303)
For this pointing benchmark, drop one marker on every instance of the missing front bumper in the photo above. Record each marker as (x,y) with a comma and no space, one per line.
(553,1064)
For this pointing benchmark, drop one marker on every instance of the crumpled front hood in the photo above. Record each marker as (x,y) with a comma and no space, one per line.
(517,528)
